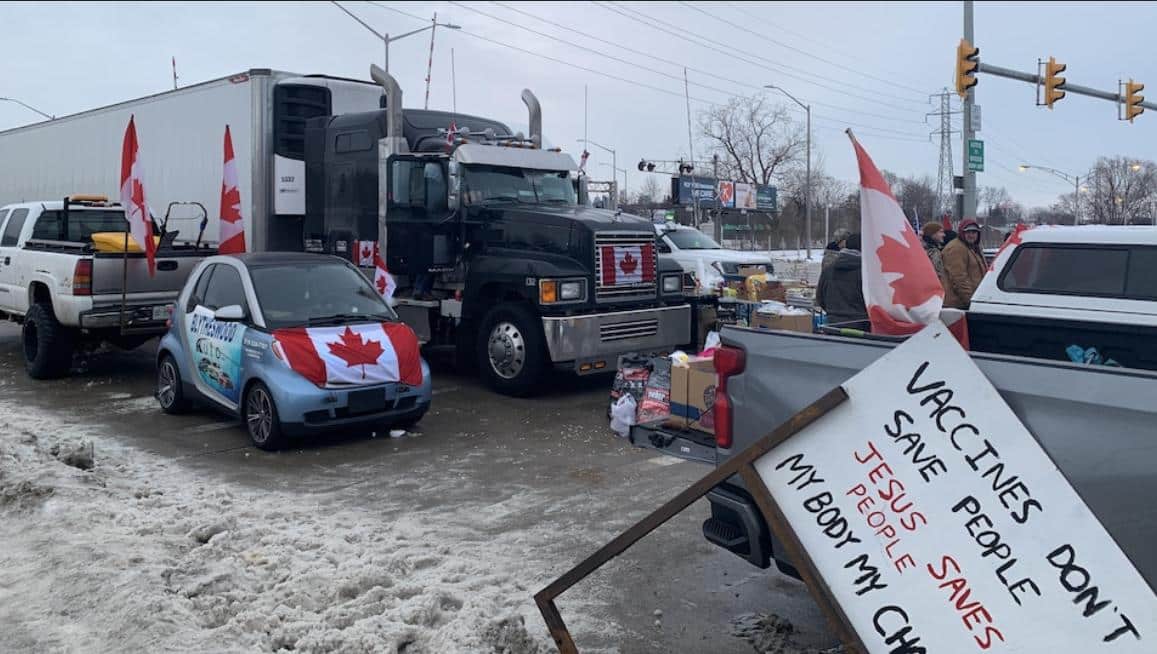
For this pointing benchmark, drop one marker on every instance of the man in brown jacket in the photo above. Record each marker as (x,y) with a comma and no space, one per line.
(964,266)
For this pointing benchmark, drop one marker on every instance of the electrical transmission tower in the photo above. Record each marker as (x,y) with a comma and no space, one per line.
(944,187)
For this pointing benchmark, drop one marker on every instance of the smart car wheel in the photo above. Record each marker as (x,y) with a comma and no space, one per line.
(170,392)
(261,419)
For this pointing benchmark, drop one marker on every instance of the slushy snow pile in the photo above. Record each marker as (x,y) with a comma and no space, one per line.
(139,554)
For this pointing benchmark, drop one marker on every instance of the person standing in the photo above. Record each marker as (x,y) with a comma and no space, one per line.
(833,249)
(841,289)
(964,266)
(933,242)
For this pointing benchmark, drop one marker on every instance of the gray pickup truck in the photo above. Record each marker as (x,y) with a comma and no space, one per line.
(1099,424)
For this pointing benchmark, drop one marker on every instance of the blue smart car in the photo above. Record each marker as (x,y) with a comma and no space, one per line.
(290,343)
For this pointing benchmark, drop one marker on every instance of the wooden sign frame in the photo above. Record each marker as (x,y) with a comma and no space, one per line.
(741,464)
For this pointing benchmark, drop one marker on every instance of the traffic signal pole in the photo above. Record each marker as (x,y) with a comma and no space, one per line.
(1032,78)
(967,132)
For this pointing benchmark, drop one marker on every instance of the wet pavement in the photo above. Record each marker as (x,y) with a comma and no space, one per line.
(537,465)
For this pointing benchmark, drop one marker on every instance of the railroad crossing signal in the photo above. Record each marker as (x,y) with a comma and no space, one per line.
(1053,83)
(967,61)
(1133,100)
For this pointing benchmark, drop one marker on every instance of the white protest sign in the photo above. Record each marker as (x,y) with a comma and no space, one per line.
(939,524)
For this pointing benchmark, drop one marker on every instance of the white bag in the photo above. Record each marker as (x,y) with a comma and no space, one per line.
(623,415)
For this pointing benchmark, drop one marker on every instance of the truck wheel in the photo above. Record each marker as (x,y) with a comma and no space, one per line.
(48,345)
(170,391)
(261,419)
(511,351)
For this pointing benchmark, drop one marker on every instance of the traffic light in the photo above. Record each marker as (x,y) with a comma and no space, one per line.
(1053,84)
(1133,100)
(967,61)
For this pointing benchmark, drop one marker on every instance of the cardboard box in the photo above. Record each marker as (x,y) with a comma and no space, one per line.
(693,395)
(759,288)
(788,322)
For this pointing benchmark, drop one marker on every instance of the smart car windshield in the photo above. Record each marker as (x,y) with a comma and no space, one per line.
(325,293)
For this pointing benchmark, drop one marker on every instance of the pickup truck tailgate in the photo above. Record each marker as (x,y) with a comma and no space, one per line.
(173,268)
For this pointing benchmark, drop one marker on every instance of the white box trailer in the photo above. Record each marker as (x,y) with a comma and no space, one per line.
(181,135)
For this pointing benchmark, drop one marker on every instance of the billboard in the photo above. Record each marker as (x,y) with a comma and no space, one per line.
(744,195)
(687,189)
(765,198)
(726,194)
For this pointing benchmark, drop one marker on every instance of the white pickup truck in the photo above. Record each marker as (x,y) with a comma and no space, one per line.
(70,295)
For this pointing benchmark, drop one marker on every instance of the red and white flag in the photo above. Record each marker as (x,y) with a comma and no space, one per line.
(383,280)
(232,225)
(359,355)
(628,265)
(133,197)
(901,288)
(450,134)
(1009,242)
(583,160)
(367,253)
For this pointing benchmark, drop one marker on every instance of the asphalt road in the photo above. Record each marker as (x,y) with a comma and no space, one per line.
(474,444)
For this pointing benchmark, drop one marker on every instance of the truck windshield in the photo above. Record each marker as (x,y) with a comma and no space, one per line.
(324,293)
(692,239)
(484,184)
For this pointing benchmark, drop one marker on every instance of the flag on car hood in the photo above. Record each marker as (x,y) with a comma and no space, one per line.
(901,288)
(357,355)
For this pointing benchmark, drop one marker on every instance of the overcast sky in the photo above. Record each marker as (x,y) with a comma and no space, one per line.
(870,66)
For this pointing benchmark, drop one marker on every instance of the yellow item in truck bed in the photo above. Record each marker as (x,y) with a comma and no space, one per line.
(762,287)
(115,242)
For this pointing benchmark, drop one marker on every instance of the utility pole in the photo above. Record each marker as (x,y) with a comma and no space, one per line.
(430,61)
(690,142)
(968,133)
(827,225)
(944,187)
(453,84)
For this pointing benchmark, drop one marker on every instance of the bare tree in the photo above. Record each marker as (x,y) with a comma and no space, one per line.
(652,192)
(754,138)
(1120,191)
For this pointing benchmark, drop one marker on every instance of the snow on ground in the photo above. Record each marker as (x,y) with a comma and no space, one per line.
(794,264)
(140,554)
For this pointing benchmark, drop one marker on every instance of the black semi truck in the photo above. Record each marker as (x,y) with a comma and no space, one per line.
(488,236)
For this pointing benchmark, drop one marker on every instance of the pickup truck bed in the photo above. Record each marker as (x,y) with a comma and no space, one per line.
(1099,424)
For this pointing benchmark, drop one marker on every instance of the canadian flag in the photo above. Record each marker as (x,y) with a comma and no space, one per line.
(359,355)
(1011,241)
(367,253)
(383,280)
(232,225)
(901,288)
(626,265)
(133,197)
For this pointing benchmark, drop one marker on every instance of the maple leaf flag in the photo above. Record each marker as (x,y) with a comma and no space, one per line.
(383,280)
(901,288)
(133,197)
(232,225)
(359,355)
(1012,241)
(628,265)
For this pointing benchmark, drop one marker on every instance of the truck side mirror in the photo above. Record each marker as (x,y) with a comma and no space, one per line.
(581,191)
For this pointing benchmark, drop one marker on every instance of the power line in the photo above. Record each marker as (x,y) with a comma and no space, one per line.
(657,58)
(882,132)
(781,69)
(795,49)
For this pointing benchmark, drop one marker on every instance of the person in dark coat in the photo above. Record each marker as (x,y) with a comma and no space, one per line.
(933,234)
(833,249)
(841,290)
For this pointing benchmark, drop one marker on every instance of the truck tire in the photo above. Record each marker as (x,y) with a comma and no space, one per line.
(48,345)
(170,391)
(511,349)
(262,421)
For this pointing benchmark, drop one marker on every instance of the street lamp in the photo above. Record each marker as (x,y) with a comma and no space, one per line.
(1075,180)
(614,158)
(808,195)
(28,107)
(386,38)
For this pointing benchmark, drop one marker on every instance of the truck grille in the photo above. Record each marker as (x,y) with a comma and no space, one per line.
(625,265)
(622,331)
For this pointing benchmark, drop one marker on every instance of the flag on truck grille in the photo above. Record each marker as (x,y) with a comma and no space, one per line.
(627,265)
(901,288)
(359,355)
(232,235)
(133,197)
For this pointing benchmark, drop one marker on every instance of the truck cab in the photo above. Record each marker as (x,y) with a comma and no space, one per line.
(493,253)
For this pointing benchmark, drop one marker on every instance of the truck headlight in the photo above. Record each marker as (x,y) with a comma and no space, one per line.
(555,291)
(572,290)
(672,283)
